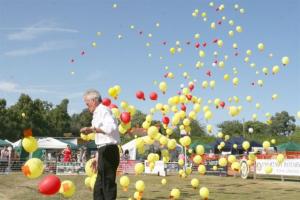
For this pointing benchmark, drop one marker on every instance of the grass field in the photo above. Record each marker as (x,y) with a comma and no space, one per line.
(16,186)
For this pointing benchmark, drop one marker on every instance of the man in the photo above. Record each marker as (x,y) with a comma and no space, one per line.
(107,138)
(67,152)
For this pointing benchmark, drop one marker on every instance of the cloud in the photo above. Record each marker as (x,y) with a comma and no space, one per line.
(44,47)
(33,31)
(11,87)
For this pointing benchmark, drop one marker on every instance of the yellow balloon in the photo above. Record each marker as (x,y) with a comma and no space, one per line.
(163,181)
(195,183)
(30,144)
(124,182)
(212,84)
(266,144)
(139,168)
(197,159)
(140,186)
(201,53)
(226,77)
(239,29)
(261,46)
(268,169)
(246,145)
(280,158)
(260,83)
(209,128)
(204,192)
(249,98)
(172,50)
(235,166)
(275,69)
(33,168)
(202,169)
(87,182)
(231,33)
(222,162)
(235,81)
(175,193)
(88,168)
(285,60)
(220,43)
(163,86)
(67,188)
(208,115)
(231,158)
(172,144)
(112,92)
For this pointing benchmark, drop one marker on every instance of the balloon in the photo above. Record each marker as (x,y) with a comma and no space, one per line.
(163,181)
(140,95)
(235,166)
(88,168)
(139,168)
(222,104)
(209,128)
(140,186)
(197,159)
(275,69)
(172,50)
(67,188)
(106,101)
(172,144)
(231,33)
(125,117)
(212,84)
(266,144)
(153,96)
(163,87)
(33,168)
(226,77)
(202,169)
(231,158)
(265,70)
(257,105)
(235,146)
(239,29)
(124,182)
(274,96)
(204,192)
(260,83)
(298,114)
(166,120)
(246,145)
(280,158)
(30,144)
(195,183)
(226,137)
(261,46)
(249,98)
(87,182)
(222,162)
(113,92)
(235,81)
(201,53)
(285,60)
(175,193)
(250,130)
(49,185)
(208,115)
(94,44)
(268,169)
(233,111)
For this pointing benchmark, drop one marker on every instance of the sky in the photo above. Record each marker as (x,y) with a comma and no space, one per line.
(42,42)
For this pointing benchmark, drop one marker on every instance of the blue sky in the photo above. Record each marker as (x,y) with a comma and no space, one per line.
(38,40)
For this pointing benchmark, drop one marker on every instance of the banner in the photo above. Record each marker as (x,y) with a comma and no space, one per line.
(290,167)
(210,163)
(70,168)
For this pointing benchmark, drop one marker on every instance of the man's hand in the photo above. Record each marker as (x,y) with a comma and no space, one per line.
(86,130)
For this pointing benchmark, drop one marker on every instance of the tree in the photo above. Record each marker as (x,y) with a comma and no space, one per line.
(232,128)
(258,127)
(137,119)
(80,120)
(283,124)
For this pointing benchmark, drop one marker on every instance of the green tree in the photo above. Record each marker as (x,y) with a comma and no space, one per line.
(80,120)
(258,127)
(283,124)
(137,119)
(232,128)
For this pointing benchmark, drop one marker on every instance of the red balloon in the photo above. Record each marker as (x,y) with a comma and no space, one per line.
(191,87)
(125,117)
(106,101)
(183,107)
(165,120)
(140,95)
(189,96)
(153,96)
(49,185)
(204,44)
(197,45)
(222,104)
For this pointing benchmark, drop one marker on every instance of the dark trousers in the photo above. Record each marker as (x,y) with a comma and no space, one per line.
(108,161)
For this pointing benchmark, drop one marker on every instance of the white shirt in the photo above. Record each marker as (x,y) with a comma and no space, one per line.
(104,119)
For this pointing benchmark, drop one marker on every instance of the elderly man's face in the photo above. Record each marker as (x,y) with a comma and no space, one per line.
(91,104)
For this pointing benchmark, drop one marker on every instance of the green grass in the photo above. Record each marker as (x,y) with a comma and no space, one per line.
(16,186)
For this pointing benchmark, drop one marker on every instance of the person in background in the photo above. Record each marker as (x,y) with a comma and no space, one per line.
(67,152)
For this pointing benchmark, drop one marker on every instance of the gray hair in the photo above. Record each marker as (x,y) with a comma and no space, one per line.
(92,94)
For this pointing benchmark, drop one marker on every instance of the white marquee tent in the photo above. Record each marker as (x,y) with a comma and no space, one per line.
(46,143)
